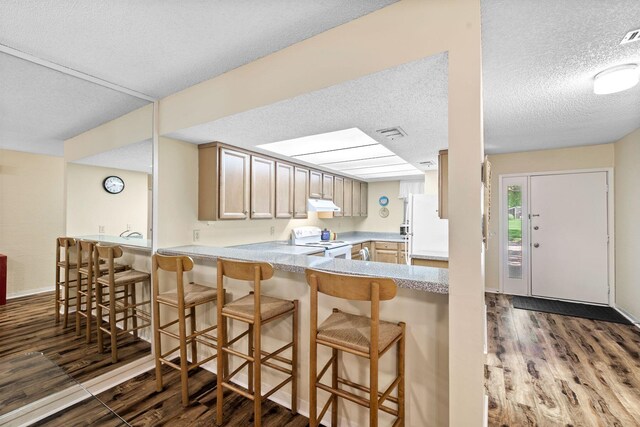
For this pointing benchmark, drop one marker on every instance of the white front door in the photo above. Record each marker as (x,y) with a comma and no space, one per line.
(569,237)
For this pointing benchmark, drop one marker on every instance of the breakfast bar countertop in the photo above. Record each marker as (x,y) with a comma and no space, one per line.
(427,279)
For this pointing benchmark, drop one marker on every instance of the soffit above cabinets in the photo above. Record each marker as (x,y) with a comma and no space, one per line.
(349,151)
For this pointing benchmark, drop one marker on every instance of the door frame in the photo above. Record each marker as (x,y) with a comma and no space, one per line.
(610,224)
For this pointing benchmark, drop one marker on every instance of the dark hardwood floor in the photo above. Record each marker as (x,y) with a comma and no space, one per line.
(137,402)
(551,370)
(27,324)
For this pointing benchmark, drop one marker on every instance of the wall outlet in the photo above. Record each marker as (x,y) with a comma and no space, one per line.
(196,235)
(272,230)
(101,229)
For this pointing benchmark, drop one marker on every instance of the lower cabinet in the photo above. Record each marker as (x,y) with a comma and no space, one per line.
(386,255)
(355,252)
(430,263)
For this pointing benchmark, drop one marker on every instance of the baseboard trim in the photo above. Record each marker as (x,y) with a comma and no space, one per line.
(28,292)
(628,315)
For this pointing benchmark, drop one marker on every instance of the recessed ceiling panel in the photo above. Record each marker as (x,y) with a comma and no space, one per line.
(347,154)
(378,169)
(354,164)
(348,138)
(392,174)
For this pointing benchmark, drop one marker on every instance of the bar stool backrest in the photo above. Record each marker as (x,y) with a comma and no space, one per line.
(107,253)
(244,270)
(360,288)
(177,264)
(85,252)
(67,243)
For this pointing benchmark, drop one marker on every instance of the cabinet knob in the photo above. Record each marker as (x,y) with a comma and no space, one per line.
(245,212)
(253,212)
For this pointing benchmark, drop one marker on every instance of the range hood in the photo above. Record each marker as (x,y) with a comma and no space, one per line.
(319,205)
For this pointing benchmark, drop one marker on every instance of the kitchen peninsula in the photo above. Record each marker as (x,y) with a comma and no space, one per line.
(421,302)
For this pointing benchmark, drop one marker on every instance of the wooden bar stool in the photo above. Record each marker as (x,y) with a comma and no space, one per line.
(360,335)
(87,273)
(256,310)
(185,297)
(63,286)
(126,282)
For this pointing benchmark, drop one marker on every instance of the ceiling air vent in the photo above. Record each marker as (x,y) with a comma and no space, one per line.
(428,163)
(392,133)
(632,36)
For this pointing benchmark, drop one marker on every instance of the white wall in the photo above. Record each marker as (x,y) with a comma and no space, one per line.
(31,217)
(627,224)
(594,156)
(89,205)
(374,222)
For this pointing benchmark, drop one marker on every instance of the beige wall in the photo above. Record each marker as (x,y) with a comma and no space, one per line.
(374,222)
(133,127)
(89,205)
(627,226)
(31,217)
(594,156)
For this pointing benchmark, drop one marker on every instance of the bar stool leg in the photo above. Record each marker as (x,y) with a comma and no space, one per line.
(112,324)
(156,338)
(134,310)
(90,300)
(182,324)
(57,293)
(66,298)
(99,301)
(194,343)
(294,360)
(257,365)
(373,392)
(222,358)
(250,353)
(127,302)
(78,304)
(334,385)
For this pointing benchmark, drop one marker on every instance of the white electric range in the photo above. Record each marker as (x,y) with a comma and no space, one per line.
(312,237)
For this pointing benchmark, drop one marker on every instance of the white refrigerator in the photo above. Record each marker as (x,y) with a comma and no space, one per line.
(428,234)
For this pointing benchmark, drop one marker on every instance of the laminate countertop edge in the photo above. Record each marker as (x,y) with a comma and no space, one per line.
(425,279)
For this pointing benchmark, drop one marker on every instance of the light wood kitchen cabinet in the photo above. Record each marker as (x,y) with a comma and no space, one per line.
(327,186)
(347,194)
(443,184)
(355,198)
(300,192)
(284,190)
(355,252)
(315,185)
(208,183)
(364,199)
(386,255)
(234,184)
(338,195)
(263,185)
(430,263)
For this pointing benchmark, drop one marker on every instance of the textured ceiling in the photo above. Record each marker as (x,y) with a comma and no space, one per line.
(159,48)
(40,108)
(413,96)
(132,157)
(539,59)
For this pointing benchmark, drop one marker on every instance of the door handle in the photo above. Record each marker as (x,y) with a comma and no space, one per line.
(536,245)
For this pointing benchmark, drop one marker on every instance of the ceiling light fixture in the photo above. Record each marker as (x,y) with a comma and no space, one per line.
(616,79)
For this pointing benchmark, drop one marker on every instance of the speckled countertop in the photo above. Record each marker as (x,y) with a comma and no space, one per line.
(131,242)
(279,246)
(431,255)
(356,237)
(425,279)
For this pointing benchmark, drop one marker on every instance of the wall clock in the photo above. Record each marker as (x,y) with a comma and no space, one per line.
(113,184)
(384,212)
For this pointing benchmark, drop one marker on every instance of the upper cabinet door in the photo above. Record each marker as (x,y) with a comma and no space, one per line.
(327,186)
(347,198)
(300,192)
(234,184)
(364,199)
(356,199)
(263,185)
(338,194)
(315,185)
(284,190)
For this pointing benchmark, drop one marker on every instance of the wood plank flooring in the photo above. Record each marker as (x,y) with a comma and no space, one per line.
(27,324)
(137,402)
(550,370)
